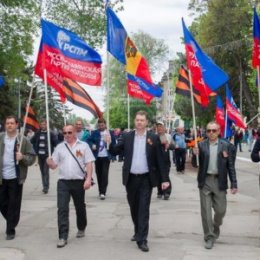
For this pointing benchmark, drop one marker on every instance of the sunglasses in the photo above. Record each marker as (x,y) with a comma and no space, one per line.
(212,130)
(67,133)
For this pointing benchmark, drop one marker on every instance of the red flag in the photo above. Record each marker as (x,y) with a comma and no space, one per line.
(232,111)
(256,41)
(65,55)
(207,77)
(220,115)
(135,91)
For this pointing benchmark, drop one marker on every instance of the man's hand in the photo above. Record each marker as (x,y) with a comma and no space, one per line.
(195,150)
(165,185)
(87,184)
(19,156)
(51,163)
(233,191)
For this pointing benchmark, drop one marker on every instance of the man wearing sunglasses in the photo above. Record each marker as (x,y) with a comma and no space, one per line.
(216,162)
(75,161)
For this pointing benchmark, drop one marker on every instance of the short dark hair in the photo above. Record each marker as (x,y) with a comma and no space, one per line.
(11,117)
(213,123)
(142,113)
(43,120)
(101,120)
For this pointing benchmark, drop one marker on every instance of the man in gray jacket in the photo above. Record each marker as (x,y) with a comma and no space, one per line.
(216,162)
(14,162)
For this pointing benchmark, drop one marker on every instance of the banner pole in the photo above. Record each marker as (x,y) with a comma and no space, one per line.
(193,114)
(26,115)
(128,112)
(258,86)
(47,112)
(225,132)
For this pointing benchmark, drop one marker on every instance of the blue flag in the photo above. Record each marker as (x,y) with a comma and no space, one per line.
(116,36)
(256,41)
(213,76)
(2,81)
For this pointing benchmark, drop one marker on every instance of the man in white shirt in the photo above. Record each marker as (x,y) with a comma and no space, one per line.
(75,161)
(143,167)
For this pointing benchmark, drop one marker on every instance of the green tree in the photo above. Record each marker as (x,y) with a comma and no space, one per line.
(18,23)
(86,18)
(223,29)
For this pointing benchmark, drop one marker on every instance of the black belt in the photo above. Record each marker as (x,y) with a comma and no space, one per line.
(212,175)
(139,174)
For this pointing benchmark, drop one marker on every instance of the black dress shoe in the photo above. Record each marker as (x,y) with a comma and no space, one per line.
(10,236)
(133,238)
(143,246)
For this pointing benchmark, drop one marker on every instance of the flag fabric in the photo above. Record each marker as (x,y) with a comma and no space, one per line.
(124,50)
(183,86)
(228,128)
(256,41)
(2,81)
(135,91)
(207,77)
(65,55)
(31,120)
(79,97)
(220,115)
(233,113)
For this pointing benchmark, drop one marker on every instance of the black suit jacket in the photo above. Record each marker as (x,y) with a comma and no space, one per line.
(154,154)
(226,165)
(255,151)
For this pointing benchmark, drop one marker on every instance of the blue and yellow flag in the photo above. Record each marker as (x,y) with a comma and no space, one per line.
(124,50)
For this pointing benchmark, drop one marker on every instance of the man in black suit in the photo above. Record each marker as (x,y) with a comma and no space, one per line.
(143,166)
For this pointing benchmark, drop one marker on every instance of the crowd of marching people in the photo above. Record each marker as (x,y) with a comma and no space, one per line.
(147,155)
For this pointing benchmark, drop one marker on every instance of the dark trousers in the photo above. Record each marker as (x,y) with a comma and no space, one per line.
(180,156)
(10,203)
(74,189)
(238,143)
(169,189)
(139,192)
(44,172)
(102,170)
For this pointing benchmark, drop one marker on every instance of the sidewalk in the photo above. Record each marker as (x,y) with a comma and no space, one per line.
(175,225)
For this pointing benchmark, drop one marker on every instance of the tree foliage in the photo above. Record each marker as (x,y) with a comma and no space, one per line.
(86,18)
(17,28)
(223,29)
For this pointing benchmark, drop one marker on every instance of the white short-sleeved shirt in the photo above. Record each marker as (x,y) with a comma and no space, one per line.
(68,167)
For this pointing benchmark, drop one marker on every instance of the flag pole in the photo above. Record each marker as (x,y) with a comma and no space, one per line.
(128,112)
(225,132)
(258,83)
(64,114)
(47,112)
(193,114)
(26,115)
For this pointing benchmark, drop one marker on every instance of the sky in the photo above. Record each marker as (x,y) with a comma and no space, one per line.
(161,19)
